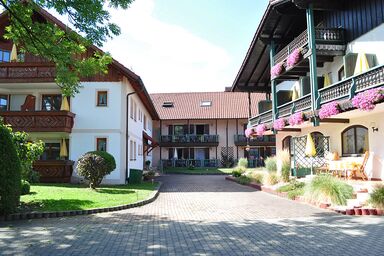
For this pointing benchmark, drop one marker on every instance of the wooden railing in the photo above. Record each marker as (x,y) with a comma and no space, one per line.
(265,117)
(324,36)
(263,140)
(189,162)
(190,139)
(39,121)
(25,72)
(54,170)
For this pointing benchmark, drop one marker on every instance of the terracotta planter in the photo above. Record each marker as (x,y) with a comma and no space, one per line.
(372,211)
(380,212)
(350,211)
(365,211)
(358,211)
(324,205)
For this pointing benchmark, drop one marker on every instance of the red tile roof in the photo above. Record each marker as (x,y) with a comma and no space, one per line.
(225,105)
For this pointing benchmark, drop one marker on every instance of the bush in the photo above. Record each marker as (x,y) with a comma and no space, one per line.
(325,188)
(270,178)
(238,171)
(243,162)
(293,185)
(270,164)
(283,160)
(95,165)
(244,180)
(34,177)
(295,193)
(149,175)
(377,197)
(10,173)
(256,177)
(25,187)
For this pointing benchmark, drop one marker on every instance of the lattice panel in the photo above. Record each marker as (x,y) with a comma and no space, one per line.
(322,149)
(227,155)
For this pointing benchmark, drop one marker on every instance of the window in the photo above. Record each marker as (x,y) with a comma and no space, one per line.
(4,102)
(5,56)
(341,73)
(134,111)
(51,102)
(101,144)
(51,151)
(131,109)
(168,104)
(102,98)
(134,151)
(205,103)
(131,150)
(145,122)
(354,140)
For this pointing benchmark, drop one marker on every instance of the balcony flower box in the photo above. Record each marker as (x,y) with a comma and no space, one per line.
(261,129)
(329,109)
(279,124)
(296,119)
(276,70)
(366,100)
(294,58)
(250,132)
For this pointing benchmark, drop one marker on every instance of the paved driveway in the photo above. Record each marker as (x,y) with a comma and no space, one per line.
(200,215)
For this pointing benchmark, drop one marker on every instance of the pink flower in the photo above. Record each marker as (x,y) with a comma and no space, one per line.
(279,124)
(260,129)
(366,100)
(249,132)
(329,109)
(293,58)
(296,119)
(277,70)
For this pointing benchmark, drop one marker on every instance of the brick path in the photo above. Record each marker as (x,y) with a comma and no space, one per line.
(200,215)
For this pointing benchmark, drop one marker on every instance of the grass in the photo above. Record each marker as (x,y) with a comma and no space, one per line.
(294,189)
(63,197)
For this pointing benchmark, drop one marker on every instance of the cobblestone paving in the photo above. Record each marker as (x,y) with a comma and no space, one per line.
(200,215)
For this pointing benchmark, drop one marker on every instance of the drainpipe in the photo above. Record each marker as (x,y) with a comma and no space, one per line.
(127,137)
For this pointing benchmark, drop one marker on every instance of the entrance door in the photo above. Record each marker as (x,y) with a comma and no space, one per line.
(200,154)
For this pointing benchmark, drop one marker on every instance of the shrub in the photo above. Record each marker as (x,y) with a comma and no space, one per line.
(243,162)
(325,188)
(34,177)
(377,197)
(25,187)
(94,166)
(10,172)
(149,175)
(295,193)
(238,171)
(293,185)
(284,162)
(244,180)
(256,177)
(270,164)
(270,178)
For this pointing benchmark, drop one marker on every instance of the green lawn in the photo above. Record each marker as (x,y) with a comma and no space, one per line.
(198,171)
(62,197)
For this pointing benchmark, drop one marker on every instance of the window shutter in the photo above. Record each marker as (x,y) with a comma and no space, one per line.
(349,64)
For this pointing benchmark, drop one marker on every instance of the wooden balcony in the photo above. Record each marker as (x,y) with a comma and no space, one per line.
(340,91)
(21,72)
(330,42)
(241,140)
(39,121)
(54,171)
(189,140)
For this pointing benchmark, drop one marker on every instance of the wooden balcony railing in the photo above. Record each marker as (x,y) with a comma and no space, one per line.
(324,36)
(54,170)
(241,140)
(189,139)
(189,162)
(342,90)
(39,121)
(18,72)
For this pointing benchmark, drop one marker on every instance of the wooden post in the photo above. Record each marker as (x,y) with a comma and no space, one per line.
(273,84)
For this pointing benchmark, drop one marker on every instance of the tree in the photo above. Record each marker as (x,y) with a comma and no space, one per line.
(62,47)
(10,173)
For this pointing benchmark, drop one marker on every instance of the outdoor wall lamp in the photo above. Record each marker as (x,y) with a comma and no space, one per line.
(374,127)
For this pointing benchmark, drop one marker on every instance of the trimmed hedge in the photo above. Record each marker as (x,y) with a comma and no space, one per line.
(109,159)
(10,173)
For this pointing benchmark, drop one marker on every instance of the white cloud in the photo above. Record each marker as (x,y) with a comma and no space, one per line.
(168,57)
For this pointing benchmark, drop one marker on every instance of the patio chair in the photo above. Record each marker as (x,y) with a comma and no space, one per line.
(360,169)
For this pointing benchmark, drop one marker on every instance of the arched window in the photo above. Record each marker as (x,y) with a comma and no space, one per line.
(354,140)
(287,143)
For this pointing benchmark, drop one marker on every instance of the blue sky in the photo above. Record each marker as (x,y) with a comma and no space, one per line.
(178,46)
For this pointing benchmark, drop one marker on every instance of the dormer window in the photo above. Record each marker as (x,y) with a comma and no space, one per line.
(168,104)
(206,103)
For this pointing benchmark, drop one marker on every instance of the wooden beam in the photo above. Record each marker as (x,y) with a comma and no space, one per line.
(290,130)
(335,120)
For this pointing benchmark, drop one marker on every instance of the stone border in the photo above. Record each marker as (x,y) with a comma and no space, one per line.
(59,214)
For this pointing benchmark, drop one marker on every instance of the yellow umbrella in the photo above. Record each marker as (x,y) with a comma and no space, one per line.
(64,104)
(310,149)
(295,94)
(14,53)
(362,64)
(63,149)
(327,80)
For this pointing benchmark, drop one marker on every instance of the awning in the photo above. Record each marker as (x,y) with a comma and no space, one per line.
(149,147)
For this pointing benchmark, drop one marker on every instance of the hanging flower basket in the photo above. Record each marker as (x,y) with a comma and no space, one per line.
(260,129)
(296,119)
(329,109)
(279,124)
(294,58)
(277,70)
(366,100)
